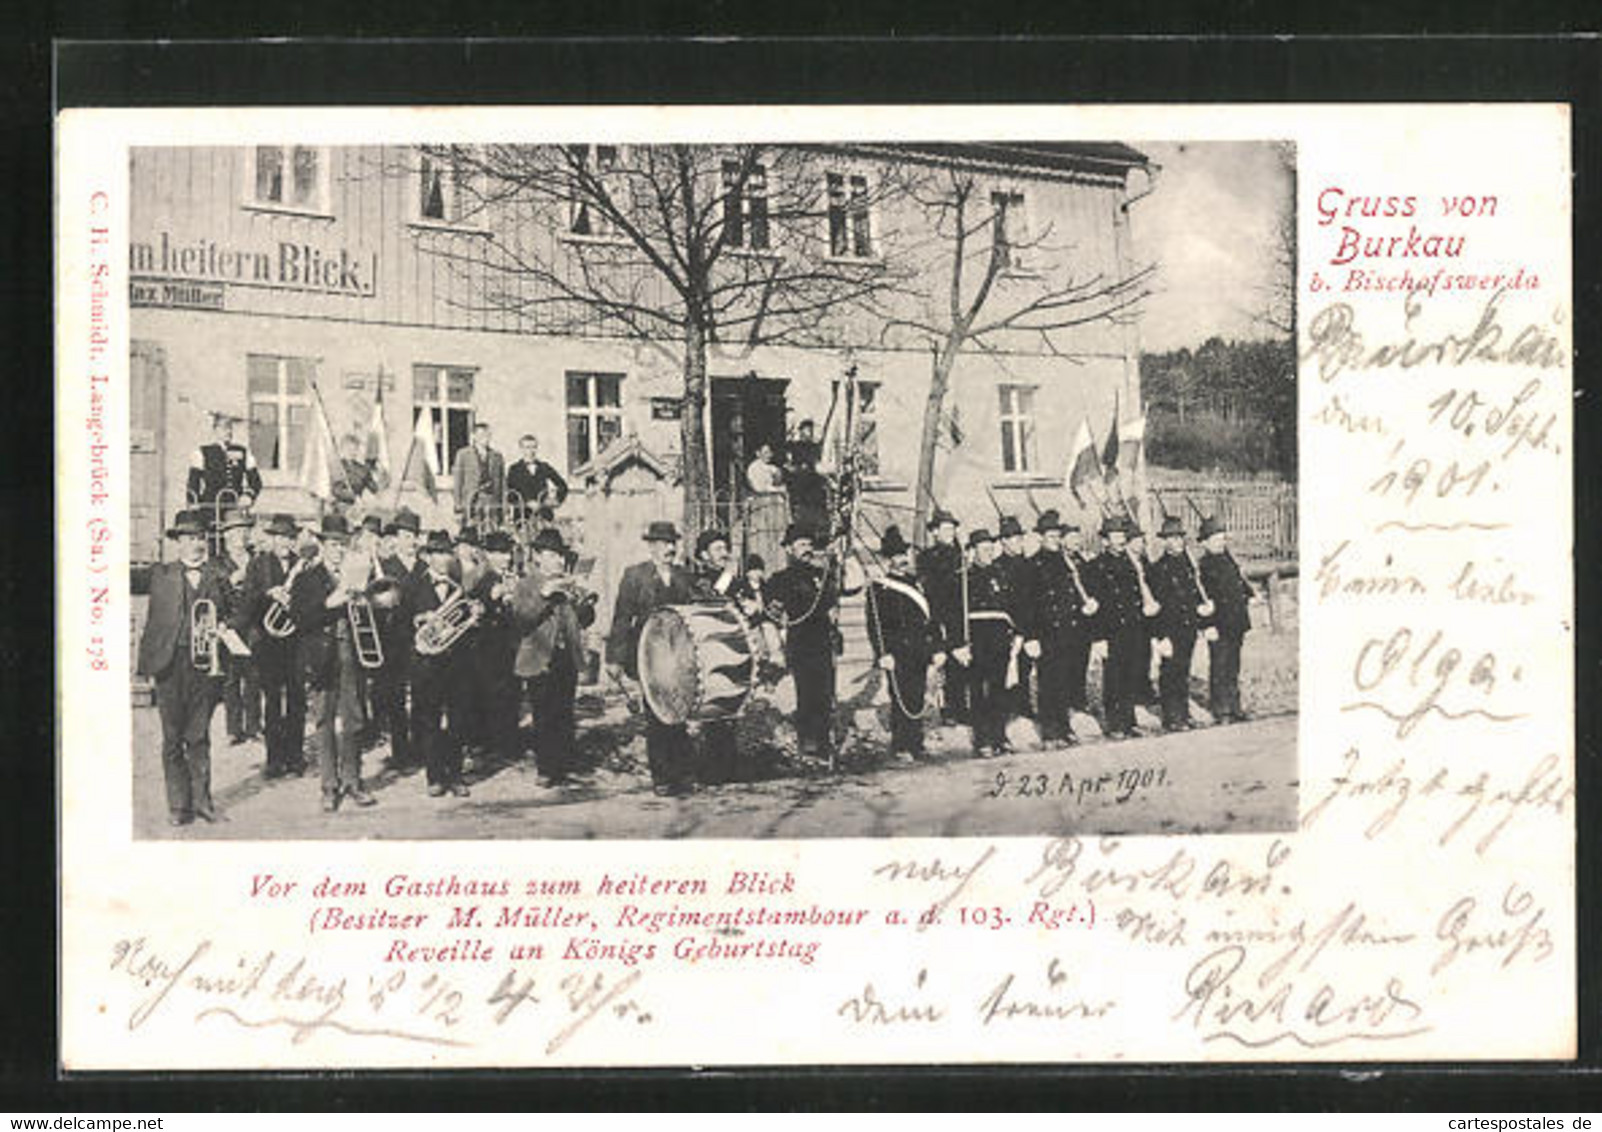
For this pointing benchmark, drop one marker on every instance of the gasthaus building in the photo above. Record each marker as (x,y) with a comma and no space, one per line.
(265,277)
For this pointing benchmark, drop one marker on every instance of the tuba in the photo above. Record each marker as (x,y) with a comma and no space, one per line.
(276,622)
(440,629)
(203,633)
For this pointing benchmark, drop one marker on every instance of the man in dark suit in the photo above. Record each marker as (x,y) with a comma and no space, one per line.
(186,697)
(1172,579)
(906,640)
(327,655)
(1230,594)
(941,572)
(540,486)
(241,690)
(1019,569)
(987,645)
(802,597)
(1061,624)
(1122,624)
(392,680)
(550,618)
(493,653)
(644,588)
(478,475)
(283,693)
(437,679)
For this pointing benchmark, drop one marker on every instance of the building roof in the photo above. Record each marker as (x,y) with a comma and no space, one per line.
(1095,157)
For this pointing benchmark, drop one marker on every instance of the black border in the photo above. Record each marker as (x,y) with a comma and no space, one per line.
(767,70)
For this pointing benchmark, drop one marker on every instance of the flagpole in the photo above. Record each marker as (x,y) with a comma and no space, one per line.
(328,431)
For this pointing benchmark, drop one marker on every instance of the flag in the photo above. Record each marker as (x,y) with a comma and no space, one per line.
(1082,462)
(423,440)
(378,439)
(1132,447)
(316,475)
(1109,454)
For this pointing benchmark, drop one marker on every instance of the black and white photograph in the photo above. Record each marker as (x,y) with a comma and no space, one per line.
(628,489)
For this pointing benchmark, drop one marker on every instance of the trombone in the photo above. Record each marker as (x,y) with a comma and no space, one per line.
(361,611)
(203,634)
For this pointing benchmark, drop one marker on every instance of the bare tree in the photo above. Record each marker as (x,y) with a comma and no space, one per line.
(1277,294)
(991,286)
(686,248)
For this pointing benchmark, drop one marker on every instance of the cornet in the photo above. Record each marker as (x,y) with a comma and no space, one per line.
(203,631)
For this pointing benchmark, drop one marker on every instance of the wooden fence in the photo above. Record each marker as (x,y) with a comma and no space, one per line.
(1260,515)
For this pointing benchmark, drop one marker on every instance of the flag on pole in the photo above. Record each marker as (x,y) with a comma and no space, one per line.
(1132,447)
(378,439)
(1109,454)
(316,469)
(423,442)
(1082,462)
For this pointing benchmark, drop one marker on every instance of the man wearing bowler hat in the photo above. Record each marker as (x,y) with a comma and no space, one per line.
(186,696)
(1061,623)
(493,651)
(549,617)
(241,692)
(1228,624)
(987,646)
(1019,570)
(644,588)
(437,700)
(318,604)
(906,640)
(1122,623)
(1172,580)
(392,681)
(941,569)
(283,693)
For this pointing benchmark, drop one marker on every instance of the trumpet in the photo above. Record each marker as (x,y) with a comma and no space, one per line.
(203,631)
(276,622)
(440,629)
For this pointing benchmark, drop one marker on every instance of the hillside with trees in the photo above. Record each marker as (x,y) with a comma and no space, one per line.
(1226,407)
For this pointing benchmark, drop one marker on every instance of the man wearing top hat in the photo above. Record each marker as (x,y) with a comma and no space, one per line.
(1122,623)
(988,644)
(392,680)
(241,691)
(185,695)
(644,588)
(549,618)
(1172,580)
(283,694)
(1230,594)
(437,701)
(223,465)
(1062,624)
(941,568)
(318,604)
(906,640)
(802,597)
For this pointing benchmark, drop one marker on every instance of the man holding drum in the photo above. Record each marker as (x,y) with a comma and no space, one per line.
(645,587)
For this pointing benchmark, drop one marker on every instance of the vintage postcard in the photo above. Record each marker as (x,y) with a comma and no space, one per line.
(776,585)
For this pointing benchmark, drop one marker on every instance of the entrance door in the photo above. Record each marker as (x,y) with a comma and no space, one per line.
(747,412)
(147,426)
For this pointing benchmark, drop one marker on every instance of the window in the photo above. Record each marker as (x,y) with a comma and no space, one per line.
(594,415)
(866,416)
(850,225)
(289,177)
(585,216)
(745,207)
(445,393)
(1009,229)
(279,393)
(1018,428)
(444,188)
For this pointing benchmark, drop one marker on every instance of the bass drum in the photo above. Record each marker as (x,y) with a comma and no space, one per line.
(697,663)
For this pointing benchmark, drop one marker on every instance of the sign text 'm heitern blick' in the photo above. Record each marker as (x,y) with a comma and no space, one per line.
(292,265)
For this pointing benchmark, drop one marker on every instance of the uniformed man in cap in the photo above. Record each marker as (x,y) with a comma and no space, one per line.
(1063,625)
(1122,624)
(941,568)
(283,692)
(803,597)
(1019,571)
(438,705)
(550,616)
(241,691)
(987,646)
(906,641)
(644,588)
(327,655)
(1172,579)
(392,681)
(223,465)
(1228,624)
(186,695)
